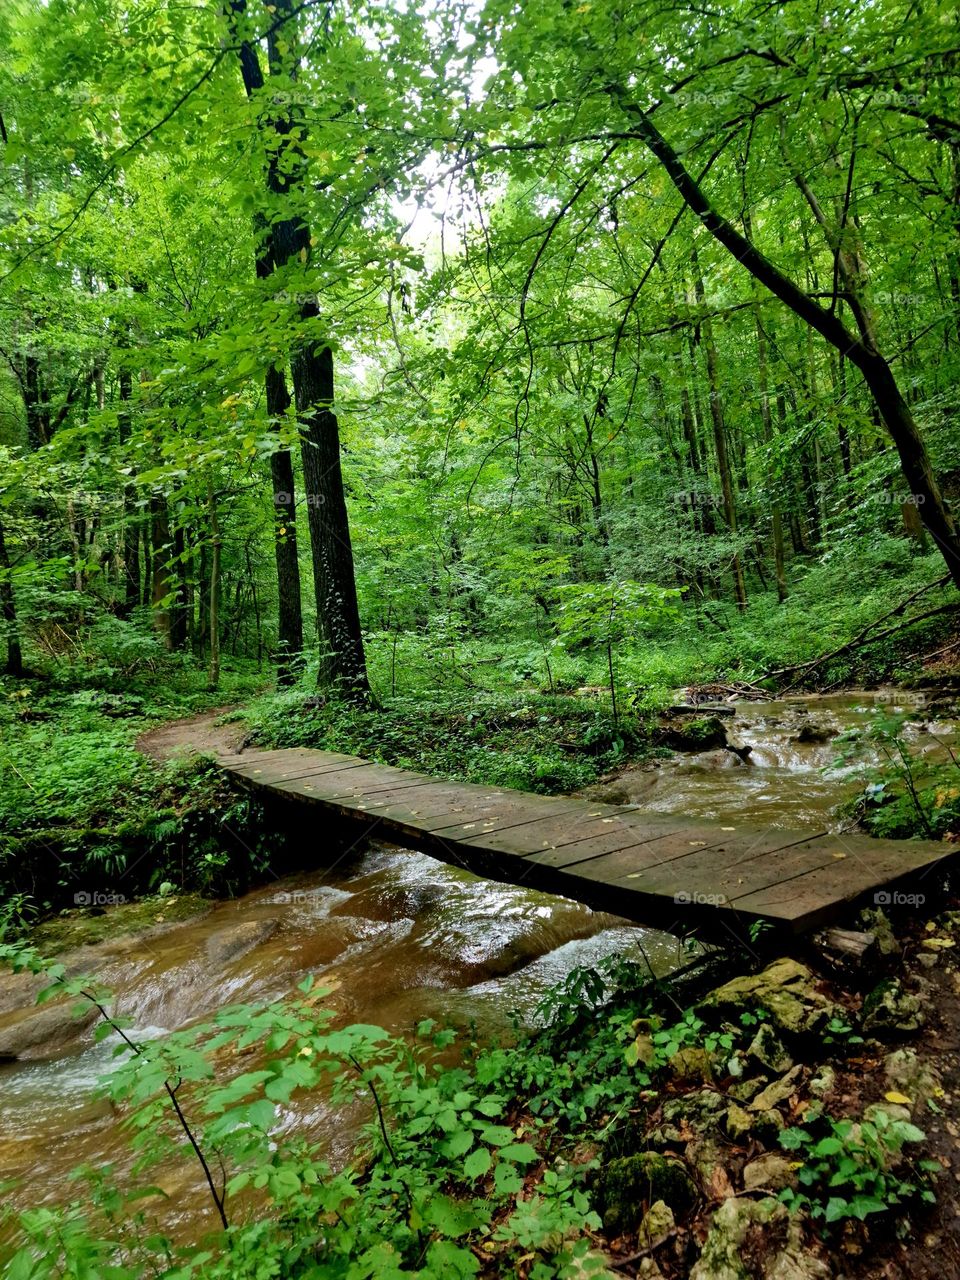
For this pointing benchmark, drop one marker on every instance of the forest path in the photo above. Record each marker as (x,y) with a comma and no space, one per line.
(193,735)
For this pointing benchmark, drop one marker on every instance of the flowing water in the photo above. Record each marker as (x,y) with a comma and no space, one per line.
(398,937)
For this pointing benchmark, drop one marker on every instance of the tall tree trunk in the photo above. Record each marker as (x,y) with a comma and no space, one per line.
(776,516)
(720,439)
(8,612)
(342,664)
(342,661)
(289,607)
(163,584)
(131,529)
(213,679)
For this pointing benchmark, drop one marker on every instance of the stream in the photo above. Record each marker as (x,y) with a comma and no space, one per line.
(398,937)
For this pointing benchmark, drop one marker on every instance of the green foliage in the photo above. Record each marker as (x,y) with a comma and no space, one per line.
(531,741)
(856,1168)
(915,787)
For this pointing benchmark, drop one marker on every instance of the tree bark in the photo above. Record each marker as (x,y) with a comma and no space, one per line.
(214,607)
(131,531)
(720,440)
(8,612)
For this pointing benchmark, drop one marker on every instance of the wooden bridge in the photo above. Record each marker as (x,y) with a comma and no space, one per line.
(660,871)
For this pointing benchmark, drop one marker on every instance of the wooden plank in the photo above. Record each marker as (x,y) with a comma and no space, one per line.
(645,866)
(275,773)
(354,783)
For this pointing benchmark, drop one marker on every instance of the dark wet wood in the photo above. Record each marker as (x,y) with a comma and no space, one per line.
(653,868)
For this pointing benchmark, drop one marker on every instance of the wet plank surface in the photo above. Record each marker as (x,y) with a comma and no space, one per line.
(653,868)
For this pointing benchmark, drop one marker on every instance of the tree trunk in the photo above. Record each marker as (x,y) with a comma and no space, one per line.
(342,664)
(131,531)
(214,608)
(720,440)
(8,612)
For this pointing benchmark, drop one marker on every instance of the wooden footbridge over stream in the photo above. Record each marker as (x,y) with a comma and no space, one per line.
(658,870)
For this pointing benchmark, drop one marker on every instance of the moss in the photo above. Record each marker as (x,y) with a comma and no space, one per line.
(86,926)
(629,1183)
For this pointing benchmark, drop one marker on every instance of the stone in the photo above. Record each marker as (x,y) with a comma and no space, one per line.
(738,1124)
(647,1269)
(644,1049)
(892,1111)
(43,1032)
(777,1092)
(657,1222)
(889,1008)
(744,1090)
(768,1125)
(708,1158)
(228,944)
(768,1049)
(875,919)
(626,1183)
(769,1172)
(700,1110)
(682,734)
(691,1066)
(906,1073)
(823,1082)
(786,989)
(721,1260)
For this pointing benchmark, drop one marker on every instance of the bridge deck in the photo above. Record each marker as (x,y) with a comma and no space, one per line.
(655,869)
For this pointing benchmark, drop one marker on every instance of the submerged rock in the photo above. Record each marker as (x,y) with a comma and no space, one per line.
(236,940)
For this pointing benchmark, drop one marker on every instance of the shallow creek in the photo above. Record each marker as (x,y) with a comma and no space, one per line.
(398,937)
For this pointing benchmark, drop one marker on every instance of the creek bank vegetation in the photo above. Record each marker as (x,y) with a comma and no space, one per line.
(794,1120)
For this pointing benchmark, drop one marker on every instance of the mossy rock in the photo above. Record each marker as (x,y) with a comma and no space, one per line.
(786,989)
(888,1008)
(628,1184)
(681,734)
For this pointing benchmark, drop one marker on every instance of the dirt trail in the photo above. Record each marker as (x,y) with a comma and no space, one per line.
(195,735)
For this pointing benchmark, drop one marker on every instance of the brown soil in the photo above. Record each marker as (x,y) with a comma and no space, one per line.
(199,735)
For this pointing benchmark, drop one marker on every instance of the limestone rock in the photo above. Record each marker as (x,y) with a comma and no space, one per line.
(876,921)
(227,944)
(691,1066)
(823,1081)
(738,1124)
(786,989)
(777,1092)
(744,1090)
(707,1156)
(769,1050)
(700,1110)
(769,1172)
(721,1260)
(657,1221)
(43,1032)
(680,733)
(906,1073)
(628,1182)
(889,1008)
